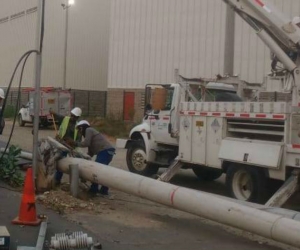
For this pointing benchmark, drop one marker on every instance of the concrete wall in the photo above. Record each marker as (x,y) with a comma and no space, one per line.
(115,103)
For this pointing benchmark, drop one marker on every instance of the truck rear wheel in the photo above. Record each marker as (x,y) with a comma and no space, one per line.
(20,120)
(136,160)
(207,174)
(245,183)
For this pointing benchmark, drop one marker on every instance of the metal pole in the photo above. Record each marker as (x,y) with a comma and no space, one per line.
(263,223)
(38,71)
(66,45)
(229,42)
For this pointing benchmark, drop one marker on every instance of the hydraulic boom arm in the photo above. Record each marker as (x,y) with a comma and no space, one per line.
(279,33)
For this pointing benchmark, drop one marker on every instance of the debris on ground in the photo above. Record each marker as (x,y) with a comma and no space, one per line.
(62,202)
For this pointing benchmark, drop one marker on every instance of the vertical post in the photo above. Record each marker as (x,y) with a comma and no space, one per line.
(66,45)
(74,179)
(176,75)
(38,71)
(105,104)
(229,42)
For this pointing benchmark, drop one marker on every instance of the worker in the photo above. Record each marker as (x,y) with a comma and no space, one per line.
(97,145)
(67,132)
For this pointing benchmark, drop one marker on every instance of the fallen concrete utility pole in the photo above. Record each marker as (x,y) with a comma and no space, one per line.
(23,154)
(266,224)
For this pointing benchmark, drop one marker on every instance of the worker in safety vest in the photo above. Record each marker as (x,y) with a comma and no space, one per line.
(67,128)
(97,145)
(67,132)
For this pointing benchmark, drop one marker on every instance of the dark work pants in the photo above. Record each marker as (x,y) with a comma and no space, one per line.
(103,157)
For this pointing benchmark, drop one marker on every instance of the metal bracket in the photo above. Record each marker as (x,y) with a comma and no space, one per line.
(171,170)
(285,191)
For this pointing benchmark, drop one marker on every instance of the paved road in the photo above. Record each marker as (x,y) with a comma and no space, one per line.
(26,235)
(128,222)
(161,229)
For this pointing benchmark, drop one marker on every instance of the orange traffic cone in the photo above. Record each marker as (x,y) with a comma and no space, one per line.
(27,213)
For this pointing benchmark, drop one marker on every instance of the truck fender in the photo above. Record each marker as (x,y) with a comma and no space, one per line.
(149,143)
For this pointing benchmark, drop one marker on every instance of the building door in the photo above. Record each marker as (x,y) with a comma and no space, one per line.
(128,110)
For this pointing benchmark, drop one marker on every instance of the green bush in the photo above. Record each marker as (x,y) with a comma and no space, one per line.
(9,169)
(9,111)
(112,125)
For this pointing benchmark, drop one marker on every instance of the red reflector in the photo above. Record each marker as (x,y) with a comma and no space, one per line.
(278,116)
(260,3)
(203,114)
(216,114)
(230,114)
(245,115)
(296,145)
(166,118)
(261,116)
(191,113)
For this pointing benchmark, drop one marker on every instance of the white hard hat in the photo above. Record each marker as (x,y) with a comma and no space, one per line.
(2,94)
(83,122)
(76,111)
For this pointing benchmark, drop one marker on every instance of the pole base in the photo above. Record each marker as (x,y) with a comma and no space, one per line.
(27,223)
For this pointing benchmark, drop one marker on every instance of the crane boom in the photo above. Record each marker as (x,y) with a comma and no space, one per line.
(277,31)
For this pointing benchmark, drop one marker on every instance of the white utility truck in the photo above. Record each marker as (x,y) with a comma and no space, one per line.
(53,99)
(208,128)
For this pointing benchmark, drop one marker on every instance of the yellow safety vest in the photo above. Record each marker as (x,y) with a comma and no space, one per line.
(63,128)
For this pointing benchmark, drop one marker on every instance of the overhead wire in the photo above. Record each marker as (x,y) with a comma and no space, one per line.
(26,56)
(17,105)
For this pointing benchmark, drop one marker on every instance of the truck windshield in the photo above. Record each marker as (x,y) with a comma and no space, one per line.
(169,98)
(161,98)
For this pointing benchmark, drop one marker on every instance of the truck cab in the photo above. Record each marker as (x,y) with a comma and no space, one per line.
(154,143)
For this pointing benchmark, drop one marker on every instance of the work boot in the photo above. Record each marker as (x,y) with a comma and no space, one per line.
(94,188)
(103,190)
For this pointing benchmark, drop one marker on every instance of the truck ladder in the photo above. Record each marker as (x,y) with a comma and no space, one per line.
(171,170)
(285,192)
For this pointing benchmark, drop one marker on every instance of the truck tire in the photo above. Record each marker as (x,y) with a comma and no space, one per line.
(207,174)
(136,160)
(245,183)
(20,120)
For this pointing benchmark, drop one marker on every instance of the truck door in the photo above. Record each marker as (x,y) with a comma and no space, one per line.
(162,100)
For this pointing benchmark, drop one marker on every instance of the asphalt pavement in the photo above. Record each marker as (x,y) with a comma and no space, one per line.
(27,235)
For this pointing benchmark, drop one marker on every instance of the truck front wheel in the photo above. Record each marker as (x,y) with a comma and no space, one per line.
(245,183)
(136,160)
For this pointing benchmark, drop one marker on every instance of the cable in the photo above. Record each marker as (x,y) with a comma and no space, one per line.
(26,56)
(17,105)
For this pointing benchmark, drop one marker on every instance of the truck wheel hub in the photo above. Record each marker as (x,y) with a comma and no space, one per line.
(139,159)
(242,185)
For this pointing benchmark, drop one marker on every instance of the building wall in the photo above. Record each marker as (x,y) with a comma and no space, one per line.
(115,103)
(150,39)
(88,41)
